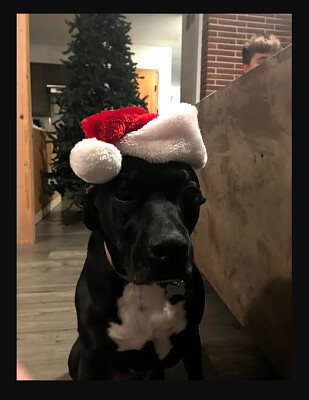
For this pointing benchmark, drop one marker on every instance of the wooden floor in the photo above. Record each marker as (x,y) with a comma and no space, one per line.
(47,273)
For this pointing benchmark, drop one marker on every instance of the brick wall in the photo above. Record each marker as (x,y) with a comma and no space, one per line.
(223,38)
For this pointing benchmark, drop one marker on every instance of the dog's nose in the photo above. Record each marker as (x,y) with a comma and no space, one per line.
(169,249)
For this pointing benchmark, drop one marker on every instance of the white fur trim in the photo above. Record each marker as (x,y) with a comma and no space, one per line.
(95,161)
(173,136)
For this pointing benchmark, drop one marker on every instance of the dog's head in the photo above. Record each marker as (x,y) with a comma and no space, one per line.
(147,214)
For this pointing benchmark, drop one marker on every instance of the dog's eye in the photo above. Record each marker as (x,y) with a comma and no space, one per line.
(125,194)
(193,194)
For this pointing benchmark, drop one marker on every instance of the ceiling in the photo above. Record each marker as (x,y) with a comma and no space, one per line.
(146,29)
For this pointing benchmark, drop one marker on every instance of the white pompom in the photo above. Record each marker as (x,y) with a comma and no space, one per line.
(95,161)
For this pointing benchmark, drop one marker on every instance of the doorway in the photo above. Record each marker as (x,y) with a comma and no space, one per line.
(148,80)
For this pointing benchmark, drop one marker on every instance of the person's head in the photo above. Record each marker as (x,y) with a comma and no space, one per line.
(258,49)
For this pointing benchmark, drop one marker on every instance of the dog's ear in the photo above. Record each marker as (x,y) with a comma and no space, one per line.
(91,215)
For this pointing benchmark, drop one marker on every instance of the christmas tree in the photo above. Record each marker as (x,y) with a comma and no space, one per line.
(100,76)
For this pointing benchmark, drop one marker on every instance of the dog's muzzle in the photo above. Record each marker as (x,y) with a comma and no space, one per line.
(161,254)
(168,250)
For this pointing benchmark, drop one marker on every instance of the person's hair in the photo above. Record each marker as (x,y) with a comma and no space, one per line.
(260,44)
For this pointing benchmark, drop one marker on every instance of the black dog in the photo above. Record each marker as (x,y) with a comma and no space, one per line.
(140,298)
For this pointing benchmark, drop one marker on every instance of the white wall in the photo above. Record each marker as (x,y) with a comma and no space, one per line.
(47,54)
(191,59)
(160,58)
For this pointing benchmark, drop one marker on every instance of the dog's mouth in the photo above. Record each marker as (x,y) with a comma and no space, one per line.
(137,280)
(174,282)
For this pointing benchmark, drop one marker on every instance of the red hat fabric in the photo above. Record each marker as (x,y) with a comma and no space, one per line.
(111,125)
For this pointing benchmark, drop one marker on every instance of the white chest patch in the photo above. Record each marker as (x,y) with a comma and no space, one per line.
(146,314)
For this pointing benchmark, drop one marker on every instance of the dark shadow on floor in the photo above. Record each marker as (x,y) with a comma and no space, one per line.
(269,320)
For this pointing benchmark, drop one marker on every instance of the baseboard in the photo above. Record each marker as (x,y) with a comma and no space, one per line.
(47,209)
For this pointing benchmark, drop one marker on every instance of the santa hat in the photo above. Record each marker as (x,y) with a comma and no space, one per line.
(171,136)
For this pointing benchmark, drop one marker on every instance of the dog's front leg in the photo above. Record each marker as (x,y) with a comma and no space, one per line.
(74,358)
(91,367)
(192,355)
(157,375)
